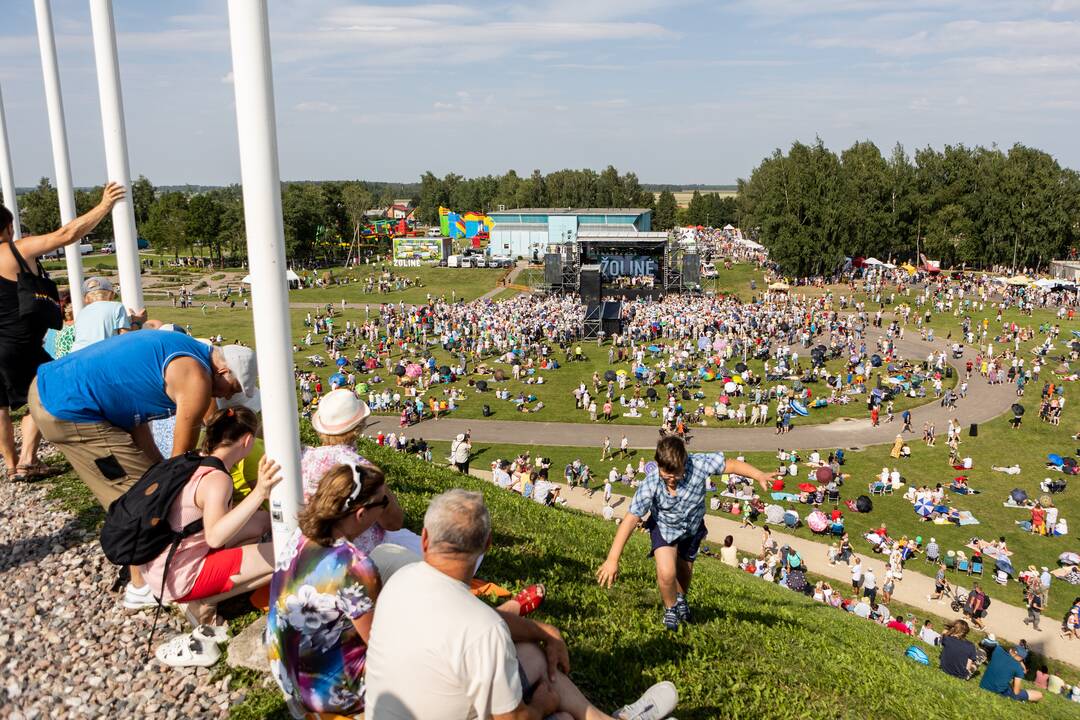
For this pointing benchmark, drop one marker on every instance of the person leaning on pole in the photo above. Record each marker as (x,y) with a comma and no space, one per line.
(673,496)
(22,334)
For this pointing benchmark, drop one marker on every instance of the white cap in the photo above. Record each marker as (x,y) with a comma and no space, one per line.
(241,363)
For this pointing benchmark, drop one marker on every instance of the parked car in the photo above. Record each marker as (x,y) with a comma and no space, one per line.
(480,261)
(434,232)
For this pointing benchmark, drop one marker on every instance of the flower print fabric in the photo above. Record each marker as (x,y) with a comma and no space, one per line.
(316,655)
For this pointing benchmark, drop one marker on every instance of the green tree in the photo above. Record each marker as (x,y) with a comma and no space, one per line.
(39,209)
(166,226)
(142,197)
(203,224)
(666,214)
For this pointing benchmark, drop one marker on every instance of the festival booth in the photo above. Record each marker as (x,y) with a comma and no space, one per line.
(290,277)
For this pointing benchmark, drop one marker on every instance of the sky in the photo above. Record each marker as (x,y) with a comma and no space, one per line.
(678,91)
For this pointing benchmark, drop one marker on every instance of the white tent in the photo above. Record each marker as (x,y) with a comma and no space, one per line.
(289,275)
(872,261)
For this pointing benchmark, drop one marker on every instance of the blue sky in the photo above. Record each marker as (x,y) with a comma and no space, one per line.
(677,90)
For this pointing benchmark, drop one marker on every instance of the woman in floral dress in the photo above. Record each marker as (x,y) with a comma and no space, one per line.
(323,593)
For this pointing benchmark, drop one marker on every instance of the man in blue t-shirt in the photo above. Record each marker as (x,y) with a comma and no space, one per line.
(96,404)
(1004,675)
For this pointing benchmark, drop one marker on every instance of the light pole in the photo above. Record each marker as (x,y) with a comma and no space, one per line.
(249,34)
(7,176)
(116,154)
(65,190)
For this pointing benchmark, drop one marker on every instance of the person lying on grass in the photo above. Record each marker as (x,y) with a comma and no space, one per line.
(673,496)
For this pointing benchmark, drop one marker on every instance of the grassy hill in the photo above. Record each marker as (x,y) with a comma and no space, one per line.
(755,650)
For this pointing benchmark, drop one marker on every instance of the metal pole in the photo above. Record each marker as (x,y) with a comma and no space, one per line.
(7,175)
(58,131)
(249,33)
(116,155)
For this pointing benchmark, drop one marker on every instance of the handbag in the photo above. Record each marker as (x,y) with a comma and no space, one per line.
(39,297)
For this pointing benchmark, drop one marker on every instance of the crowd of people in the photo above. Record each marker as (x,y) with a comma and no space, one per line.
(351,624)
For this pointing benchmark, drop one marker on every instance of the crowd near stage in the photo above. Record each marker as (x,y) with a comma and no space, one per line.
(607,268)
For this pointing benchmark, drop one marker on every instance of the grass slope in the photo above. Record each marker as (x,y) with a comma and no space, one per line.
(754,651)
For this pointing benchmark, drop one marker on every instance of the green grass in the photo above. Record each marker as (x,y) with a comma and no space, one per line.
(755,650)
(453,283)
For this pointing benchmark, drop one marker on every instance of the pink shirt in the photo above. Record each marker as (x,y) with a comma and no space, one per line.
(315,462)
(190,554)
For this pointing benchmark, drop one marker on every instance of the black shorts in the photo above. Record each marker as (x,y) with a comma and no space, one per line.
(686,546)
(18,368)
(527,689)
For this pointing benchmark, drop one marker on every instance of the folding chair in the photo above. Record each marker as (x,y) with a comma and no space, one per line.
(976,567)
(950,562)
(963,566)
(834,498)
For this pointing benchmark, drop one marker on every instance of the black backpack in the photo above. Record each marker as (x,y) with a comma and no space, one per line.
(137,528)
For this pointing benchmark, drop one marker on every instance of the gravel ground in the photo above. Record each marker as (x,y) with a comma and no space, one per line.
(68,649)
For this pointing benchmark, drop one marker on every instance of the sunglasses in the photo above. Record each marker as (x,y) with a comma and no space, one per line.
(358,490)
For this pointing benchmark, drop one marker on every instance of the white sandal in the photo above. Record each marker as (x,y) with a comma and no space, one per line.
(187,651)
(217,634)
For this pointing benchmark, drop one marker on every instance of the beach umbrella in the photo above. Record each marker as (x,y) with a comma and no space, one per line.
(651,393)
(730,387)
(444,370)
(924,506)
(399,370)
(740,367)
(621,372)
(413,370)
(737,379)
(337,379)
(1017,409)
(709,376)
(361,388)
(807,487)
(342,362)
(481,385)
(823,474)
(816,521)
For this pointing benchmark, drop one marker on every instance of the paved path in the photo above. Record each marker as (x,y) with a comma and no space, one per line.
(984,402)
(1004,620)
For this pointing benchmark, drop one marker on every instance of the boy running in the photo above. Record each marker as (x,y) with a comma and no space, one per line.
(673,496)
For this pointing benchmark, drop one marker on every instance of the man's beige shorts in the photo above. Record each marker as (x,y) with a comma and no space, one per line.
(104,456)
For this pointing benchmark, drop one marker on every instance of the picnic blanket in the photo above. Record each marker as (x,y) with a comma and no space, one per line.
(785,497)
(1011,504)
(984,547)
(966,518)
(1061,571)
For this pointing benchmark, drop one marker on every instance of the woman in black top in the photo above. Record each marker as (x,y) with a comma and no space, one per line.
(21,350)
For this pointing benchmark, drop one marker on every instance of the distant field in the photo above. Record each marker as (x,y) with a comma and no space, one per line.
(682,197)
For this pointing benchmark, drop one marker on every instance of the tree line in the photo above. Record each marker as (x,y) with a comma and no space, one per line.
(965,206)
(319,217)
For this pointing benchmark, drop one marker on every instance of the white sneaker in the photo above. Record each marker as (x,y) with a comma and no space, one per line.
(138,598)
(655,704)
(187,651)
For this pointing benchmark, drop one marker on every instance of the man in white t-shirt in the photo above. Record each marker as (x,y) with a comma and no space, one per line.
(458,658)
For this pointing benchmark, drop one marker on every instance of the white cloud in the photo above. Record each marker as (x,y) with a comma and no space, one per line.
(317,106)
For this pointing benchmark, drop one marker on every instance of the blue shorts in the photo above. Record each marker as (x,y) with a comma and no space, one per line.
(686,546)
(1021,696)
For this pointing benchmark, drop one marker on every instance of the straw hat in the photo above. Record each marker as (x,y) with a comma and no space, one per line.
(951,553)
(339,412)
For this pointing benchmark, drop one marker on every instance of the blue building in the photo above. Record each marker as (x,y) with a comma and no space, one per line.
(529,232)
